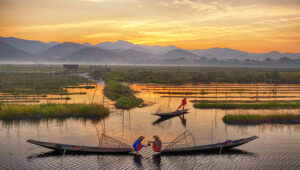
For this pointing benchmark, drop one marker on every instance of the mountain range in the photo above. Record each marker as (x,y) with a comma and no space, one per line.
(120,52)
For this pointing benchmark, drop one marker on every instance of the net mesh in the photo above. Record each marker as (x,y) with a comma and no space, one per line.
(164,108)
(109,142)
(186,139)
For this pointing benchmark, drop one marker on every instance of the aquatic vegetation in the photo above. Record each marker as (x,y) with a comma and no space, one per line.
(259,105)
(128,102)
(194,75)
(261,119)
(44,111)
(123,95)
(38,83)
(80,87)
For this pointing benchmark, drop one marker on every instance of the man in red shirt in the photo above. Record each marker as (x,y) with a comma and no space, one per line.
(183,103)
(156,144)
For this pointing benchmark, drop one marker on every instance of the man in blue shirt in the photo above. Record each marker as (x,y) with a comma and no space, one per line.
(137,145)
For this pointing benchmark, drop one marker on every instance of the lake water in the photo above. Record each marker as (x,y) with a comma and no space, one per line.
(278,146)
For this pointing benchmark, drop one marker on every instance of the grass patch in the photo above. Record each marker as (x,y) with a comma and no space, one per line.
(45,111)
(38,83)
(262,105)
(262,119)
(184,75)
(123,95)
(80,87)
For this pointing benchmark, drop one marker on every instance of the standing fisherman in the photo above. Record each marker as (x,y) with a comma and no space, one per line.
(183,103)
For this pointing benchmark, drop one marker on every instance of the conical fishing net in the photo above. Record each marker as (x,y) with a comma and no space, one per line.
(164,108)
(109,142)
(186,139)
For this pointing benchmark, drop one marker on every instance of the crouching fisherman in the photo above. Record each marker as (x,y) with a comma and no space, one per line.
(137,145)
(156,144)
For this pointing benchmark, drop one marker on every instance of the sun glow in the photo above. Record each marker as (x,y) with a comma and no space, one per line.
(256,26)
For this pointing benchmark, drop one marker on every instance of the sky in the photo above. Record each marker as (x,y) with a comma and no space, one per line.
(247,25)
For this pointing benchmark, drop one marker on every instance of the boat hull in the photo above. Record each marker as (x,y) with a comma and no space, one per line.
(172,114)
(80,149)
(218,147)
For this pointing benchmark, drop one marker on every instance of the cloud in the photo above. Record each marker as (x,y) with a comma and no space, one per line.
(60,26)
(198,22)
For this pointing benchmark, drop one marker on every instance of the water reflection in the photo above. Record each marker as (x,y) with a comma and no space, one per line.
(34,122)
(137,160)
(162,119)
(276,142)
(156,160)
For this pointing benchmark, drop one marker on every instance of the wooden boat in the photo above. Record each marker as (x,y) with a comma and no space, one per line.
(81,149)
(218,147)
(172,114)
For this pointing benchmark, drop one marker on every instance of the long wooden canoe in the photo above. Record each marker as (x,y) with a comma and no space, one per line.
(171,114)
(217,147)
(80,149)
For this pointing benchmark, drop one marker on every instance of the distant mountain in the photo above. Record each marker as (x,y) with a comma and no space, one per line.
(92,55)
(221,53)
(134,55)
(140,49)
(126,52)
(10,53)
(275,55)
(87,44)
(159,50)
(60,51)
(178,53)
(124,45)
(52,44)
(33,47)
(226,53)
(121,45)
(99,55)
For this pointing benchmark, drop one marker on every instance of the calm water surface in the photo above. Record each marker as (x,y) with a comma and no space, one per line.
(277,148)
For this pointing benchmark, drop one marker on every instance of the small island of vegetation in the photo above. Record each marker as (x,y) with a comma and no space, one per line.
(114,90)
(246,105)
(48,111)
(123,95)
(261,119)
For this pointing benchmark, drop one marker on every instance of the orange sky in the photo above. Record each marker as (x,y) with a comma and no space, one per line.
(254,26)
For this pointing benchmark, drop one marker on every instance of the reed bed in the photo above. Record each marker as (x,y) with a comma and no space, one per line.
(262,119)
(38,83)
(261,105)
(45,111)
(194,75)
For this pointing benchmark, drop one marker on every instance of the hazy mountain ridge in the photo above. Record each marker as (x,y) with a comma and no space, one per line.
(92,54)
(33,47)
(10,53)
(60,51)
(122,45)
(179,53)
(226,53)
(127,53)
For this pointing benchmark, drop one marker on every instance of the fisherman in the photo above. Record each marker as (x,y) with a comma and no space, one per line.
(137,145)
(156,144)
(183,103)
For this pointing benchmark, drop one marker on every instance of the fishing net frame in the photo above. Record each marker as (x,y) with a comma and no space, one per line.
(164,108)
(109,142)
(186,139)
